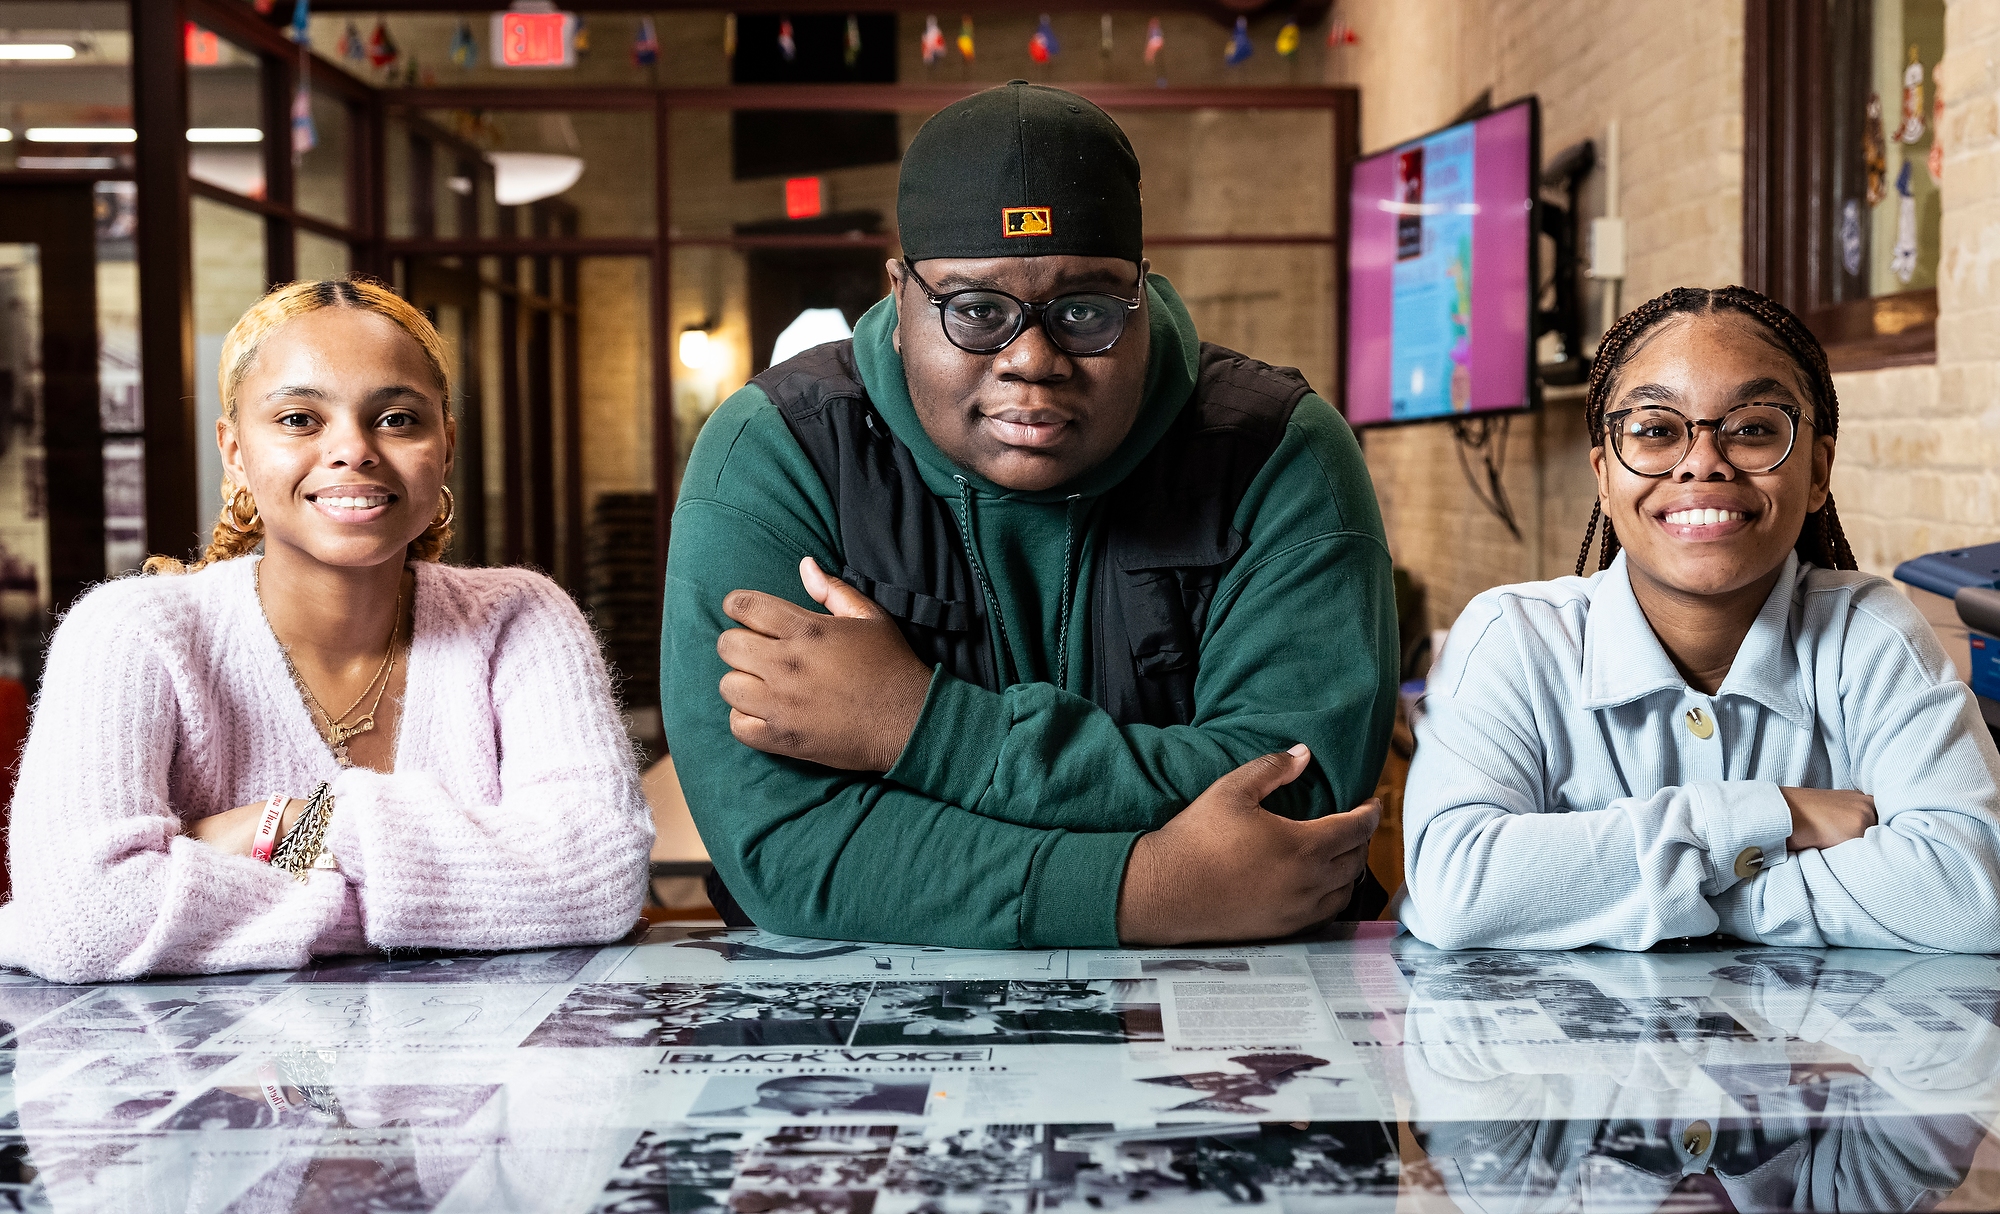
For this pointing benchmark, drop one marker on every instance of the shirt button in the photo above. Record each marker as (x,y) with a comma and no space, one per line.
(1699,723)
(1697,1138)
(1749,862)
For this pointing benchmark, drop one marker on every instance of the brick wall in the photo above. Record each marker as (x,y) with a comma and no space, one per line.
(1671,74)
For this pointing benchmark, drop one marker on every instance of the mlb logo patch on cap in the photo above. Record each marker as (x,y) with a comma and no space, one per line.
(1025,221)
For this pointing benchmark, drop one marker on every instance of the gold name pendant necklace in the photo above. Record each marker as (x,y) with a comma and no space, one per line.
(339,731)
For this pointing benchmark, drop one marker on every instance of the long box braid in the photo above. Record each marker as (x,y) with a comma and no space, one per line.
(1821,540)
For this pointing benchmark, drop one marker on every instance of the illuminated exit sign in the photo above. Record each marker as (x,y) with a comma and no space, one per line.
(204,49)
(534,40)
(805,197)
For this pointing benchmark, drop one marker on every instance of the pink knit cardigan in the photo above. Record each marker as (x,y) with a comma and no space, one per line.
(513,819)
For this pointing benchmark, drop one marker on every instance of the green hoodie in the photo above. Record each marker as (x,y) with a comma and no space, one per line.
(1007,819)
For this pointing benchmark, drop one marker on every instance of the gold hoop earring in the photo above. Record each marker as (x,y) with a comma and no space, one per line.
(232,509)
(450,510)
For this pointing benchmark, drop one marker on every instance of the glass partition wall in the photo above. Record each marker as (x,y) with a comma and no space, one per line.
(686,290)
(610,250)
(71,438)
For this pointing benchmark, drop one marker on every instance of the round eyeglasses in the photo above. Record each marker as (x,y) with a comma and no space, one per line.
(1653,440)
(981,320)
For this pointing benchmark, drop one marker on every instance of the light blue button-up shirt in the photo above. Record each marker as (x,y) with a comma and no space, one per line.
(1562,795)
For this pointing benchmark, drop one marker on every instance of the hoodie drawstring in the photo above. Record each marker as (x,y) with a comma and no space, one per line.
(1068,591)
(1063,605)
(1006,663)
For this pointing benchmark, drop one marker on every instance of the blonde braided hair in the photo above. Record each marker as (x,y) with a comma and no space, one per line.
(235,535)
(1821,540)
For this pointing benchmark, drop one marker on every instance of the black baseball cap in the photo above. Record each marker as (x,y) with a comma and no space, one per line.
(1022,170)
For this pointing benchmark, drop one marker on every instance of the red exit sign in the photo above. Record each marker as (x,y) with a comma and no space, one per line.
(203,48)
(534,39)
(805,197)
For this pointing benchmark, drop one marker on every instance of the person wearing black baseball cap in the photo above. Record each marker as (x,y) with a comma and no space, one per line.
(1024,618)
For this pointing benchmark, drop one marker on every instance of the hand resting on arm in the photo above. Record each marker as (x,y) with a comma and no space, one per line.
(1826,817)
(842,690)
(1226,868)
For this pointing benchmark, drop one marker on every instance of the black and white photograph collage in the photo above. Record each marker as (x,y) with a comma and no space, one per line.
(755,1074)
(1731,1031)
(1005,1169)
(759,1013)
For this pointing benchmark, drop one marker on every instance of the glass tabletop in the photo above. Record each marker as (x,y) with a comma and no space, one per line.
(736,1072)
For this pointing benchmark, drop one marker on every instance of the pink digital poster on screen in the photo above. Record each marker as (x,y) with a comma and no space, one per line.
(1440,272)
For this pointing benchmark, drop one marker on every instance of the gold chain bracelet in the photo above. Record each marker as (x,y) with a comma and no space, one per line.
(304,844)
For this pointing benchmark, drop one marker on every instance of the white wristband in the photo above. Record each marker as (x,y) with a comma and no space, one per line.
(267,828)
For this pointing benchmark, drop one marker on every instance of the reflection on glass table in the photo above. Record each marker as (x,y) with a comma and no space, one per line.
(713,1071)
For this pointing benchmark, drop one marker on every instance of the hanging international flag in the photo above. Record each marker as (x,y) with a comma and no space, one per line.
(1935,161)
(1912,129)
(1903,256)
(263,7)
(579,38)
(645,44)
(1156,40)
(351,47)
(786,46)
(852,50)
(729,36)
(1042,44)
(463,49)
(933,44)
(1238,47)
(1875,151)
(1104,36)
(305,136)
(965,36)
(1339,33)
(301,21)
(1288,39)
(381,47)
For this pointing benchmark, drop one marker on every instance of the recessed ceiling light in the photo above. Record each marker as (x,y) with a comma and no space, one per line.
(82,134)
(6,136)
(37,50)
(225,134)
(67,162)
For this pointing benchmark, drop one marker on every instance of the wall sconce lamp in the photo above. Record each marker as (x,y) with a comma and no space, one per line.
(694,346)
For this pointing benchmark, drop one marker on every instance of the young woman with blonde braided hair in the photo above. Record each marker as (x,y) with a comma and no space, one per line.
(1725,727)
(339,744)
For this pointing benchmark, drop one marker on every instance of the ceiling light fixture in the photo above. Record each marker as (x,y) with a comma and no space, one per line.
(520,178)
(37,50)
(225,134)
(82,134)
(74,163)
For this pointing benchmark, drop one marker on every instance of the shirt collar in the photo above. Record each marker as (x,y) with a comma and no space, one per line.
(1623,660)
(1766,668)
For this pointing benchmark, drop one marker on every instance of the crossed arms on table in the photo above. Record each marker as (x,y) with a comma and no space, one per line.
(1007,818)
(1489,866)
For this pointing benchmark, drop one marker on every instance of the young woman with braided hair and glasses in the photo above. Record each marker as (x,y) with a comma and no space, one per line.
(338,745)
(1724,727)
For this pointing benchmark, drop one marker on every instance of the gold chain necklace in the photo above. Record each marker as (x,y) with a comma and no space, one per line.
(337,733)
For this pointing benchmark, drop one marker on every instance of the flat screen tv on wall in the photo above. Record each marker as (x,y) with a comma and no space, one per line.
(1441,272)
